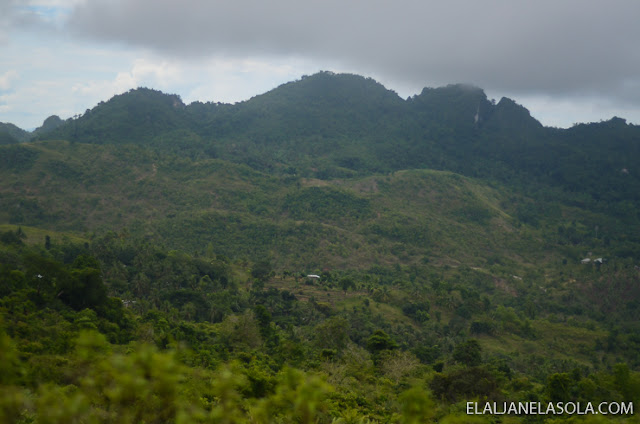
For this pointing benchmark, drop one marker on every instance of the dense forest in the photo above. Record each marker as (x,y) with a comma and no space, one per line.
(326,252)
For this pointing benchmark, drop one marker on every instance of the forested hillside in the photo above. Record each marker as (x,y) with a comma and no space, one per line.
(337,126)
(325,252)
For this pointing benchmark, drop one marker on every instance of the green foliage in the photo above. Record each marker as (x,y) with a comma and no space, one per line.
(6,138)
(17,157)
(140,114)
(64,364)
(558,387)
(468,353)
(332,334)
(166,280)
(325,204)
(466,383)
(12,237)
(261,270)
(12,134)
(346,283)
(416,406)
(84,289)
(419,311)
(379,343)
(9,360)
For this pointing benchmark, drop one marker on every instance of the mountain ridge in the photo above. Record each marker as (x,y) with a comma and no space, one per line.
(322,74)
(342,125)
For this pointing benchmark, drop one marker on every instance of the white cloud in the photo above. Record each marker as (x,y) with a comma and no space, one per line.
(4,106)
(143,72)
(7,78)
(221,80)
(162,74)
(232,80)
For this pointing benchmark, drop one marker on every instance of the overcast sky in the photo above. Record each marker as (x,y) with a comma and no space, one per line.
(567,61)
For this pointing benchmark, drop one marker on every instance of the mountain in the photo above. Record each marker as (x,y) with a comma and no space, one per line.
(49,124)
(9,134)
(340,126)
(316,141)
(329,125)
(324,252)
(6,138)
(136,116)
(325,105)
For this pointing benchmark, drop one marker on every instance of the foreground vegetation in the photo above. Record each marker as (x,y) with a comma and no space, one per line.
(173,337)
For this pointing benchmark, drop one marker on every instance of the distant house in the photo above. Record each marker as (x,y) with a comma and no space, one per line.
(585,261)
(128,303)
(317,277)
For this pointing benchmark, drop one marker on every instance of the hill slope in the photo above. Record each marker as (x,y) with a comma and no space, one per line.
(303,222)
(145,160)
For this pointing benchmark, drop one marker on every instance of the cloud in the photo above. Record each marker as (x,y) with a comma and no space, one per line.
(7,78)
(546,54)
(49,75)
(161,74)
(223,80)
(6,18)
(32,15)
(144,72)
(544,46)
